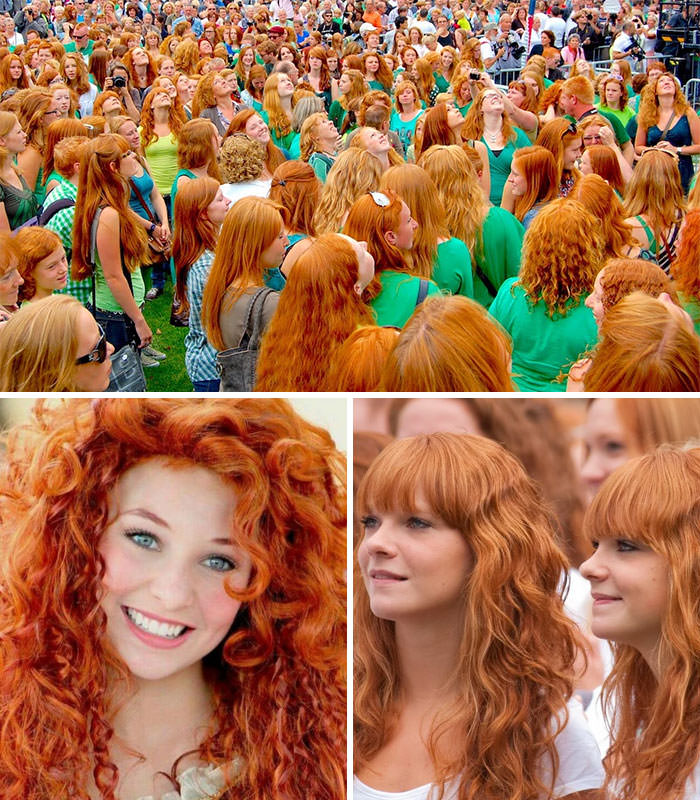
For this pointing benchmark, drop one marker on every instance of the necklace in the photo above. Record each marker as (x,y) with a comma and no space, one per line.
(492,137)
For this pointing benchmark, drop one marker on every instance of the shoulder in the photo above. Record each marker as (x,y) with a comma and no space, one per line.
(580,766)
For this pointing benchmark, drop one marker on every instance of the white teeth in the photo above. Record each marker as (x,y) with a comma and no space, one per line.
(154,627)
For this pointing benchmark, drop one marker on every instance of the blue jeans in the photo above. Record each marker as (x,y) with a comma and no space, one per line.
(206,386)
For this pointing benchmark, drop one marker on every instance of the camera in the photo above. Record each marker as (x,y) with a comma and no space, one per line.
(119,81)
(474,76)
(589,17)
(515,47)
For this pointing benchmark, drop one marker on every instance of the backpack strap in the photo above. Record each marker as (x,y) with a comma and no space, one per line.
(422,291)
(484,278)
(51,210)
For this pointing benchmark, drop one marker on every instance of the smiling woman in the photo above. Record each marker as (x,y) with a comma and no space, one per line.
(645,526)
(183,564)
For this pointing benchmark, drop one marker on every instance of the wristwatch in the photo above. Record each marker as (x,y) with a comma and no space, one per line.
(678,151)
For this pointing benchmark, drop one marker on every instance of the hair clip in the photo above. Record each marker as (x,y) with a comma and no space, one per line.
(279,182)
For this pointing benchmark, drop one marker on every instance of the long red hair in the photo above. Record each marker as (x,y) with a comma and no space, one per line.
(278,678)
(100,184)
(317,311)
(250,227)
(274,157)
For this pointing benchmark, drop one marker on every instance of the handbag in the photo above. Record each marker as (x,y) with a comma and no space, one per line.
(127,373)
(237,364)
(158,248)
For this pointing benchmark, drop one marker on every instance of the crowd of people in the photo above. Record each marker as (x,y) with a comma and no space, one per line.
(445,197)
(525,605)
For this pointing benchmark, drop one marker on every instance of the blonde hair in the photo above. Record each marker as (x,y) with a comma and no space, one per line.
(39,346)
(354,173)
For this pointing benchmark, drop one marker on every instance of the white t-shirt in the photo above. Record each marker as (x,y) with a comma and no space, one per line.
(580,767)
(558,27)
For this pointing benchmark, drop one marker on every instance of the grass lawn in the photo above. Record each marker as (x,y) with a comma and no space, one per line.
(170,375)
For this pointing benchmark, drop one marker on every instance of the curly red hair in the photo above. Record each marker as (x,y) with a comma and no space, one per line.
(278,679)
(685,268)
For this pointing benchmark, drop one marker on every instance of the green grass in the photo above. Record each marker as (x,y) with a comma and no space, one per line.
(170,375)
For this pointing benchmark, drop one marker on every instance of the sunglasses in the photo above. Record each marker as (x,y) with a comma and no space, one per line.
(572,129)
(98,354)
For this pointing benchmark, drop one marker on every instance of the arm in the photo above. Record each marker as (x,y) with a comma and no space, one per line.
(109,251)
(640,140)
(625,156)
(694,123)
(525,120)
(29,163)
(4,221)
(162,231)
(485,179)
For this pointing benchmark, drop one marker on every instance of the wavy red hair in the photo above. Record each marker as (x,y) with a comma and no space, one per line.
(318,309)
(517,645)
(284,659)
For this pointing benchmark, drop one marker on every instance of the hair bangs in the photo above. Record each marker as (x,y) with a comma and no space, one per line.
(649,499)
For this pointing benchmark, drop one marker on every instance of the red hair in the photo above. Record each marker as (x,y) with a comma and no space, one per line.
(249,228)
(358,363)
(34,244)
(284,658)
(685,268)
(597,196)
(436,130)
(450,344)
(318,309)
(604,163)
(297,190)
(368,222)
(274,157)
(539,169)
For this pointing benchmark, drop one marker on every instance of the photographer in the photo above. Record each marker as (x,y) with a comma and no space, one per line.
(588,31)
(508,45)
(118,81)
(626,46)
(31,19)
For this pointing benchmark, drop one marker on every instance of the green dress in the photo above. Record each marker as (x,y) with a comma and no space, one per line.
(543,347)
(397,299)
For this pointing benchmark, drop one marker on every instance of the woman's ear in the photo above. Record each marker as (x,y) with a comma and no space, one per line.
(390,237)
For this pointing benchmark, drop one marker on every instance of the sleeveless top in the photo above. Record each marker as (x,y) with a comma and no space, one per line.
(679,136)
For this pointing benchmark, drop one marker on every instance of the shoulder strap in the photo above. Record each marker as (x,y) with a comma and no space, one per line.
(422,291)
(668,126)
(250,337)
(53,209)
(484,278)
(648,231)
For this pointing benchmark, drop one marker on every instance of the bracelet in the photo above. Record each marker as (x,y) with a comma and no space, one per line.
(153,227)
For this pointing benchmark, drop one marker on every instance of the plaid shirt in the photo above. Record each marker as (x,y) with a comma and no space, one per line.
(62,224)
(200,356)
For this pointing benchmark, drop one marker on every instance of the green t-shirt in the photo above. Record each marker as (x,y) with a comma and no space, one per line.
(161,156)
(290,142)
(397,299)
(499,164)
(103,294)
(543,347)
(498,254)
(336,114)
(624,115)
(452,268)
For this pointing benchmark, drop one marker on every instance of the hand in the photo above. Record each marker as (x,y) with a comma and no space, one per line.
(664,145)
(109,84)
(607,136)
(144,332)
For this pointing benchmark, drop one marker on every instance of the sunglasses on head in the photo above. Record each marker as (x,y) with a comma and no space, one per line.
(99,352)
(572,129)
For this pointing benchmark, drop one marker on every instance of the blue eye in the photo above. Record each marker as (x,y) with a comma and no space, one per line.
(142,539)
(418,523)
(219,563)
(626,547)
(369,522)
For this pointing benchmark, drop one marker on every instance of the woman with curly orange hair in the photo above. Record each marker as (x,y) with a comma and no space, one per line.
(667,122)
(488,121)
(212,100)
(597,196)
(142,69)
(191,623)
(564,141)
(384,221)
(543,309)
(464,654)
(320,307)
(646,344)
(644,521)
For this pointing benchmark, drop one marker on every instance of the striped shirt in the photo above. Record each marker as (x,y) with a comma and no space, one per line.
(200,356)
